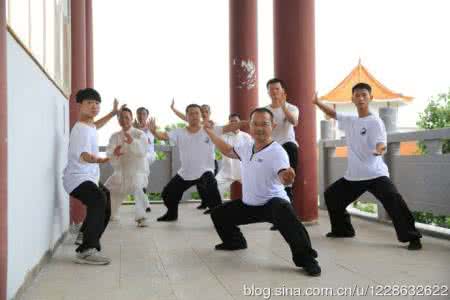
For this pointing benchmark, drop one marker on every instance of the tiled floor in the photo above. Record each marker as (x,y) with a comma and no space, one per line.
(178,261)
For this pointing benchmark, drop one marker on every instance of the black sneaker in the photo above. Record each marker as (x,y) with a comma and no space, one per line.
(167,218)
(148,209)
(202,206)
(312,269)
(311,266)
(230,247)
(339,235)
(207,212)
(415,245)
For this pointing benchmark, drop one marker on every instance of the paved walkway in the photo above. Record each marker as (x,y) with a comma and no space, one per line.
(177,261)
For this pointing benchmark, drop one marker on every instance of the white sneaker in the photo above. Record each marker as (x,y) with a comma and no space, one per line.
(91,257)
(79,239)
(142,223)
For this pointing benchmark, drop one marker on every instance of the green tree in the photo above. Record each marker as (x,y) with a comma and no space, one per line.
(436,115)
(174,126)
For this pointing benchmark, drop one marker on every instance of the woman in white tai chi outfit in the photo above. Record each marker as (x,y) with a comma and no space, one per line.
(127,150)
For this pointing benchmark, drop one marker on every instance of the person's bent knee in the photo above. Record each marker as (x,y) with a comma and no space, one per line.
(329,198)
(208,177)
(218,213)
(98,201)
(281,207)
(279,203)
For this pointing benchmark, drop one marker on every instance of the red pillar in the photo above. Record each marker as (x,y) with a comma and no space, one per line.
(3,156)
(294,50)
(89,46)
(78,26)
(243,62)
(243,57)
(236,190)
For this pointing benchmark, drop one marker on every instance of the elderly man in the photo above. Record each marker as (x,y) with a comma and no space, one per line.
(127,150)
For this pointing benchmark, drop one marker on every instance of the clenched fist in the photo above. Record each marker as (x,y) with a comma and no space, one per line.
(287,176)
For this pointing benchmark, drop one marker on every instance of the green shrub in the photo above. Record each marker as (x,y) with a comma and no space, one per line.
(436,115)
(429,218)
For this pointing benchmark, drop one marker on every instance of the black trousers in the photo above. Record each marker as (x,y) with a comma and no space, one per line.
(216,170)
(292,151)
(97,200)
(343,192)
(206,186)
(279,212)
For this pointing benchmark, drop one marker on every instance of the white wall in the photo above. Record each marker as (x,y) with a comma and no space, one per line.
(38,207)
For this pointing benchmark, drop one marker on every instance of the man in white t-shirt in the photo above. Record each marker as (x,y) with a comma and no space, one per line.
(231,128)
(231,168)
(142,124)
(127,150)
(197,163)
(265,172)
(286,118)
(82,173)
(366,171)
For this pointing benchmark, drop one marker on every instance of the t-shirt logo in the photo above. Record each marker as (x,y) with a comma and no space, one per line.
(260,160)
(207,140)
(363,131)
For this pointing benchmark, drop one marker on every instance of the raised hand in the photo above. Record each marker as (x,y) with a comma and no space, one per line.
(102,160)
(151,125)
(115,106)
(287,176)
(379,150)
(208,125)
(316,99)
(117,151)
(128,138)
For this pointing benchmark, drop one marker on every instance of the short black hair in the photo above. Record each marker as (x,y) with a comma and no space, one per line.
(87,94)
(234,115)
(127,110)
(141,109)
(277,80)
(262,110)
(193,105)
(362,86)
(206,105)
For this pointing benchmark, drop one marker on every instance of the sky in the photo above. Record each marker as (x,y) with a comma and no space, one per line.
(148,51)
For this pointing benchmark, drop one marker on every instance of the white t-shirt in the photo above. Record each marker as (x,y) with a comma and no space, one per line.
(83,138)
(284,132)
(260,181)
(231,168)
(150,140)
(362,135)
(196,151)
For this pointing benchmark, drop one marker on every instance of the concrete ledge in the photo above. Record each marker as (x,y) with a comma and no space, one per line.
(31,275)
(426,229)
